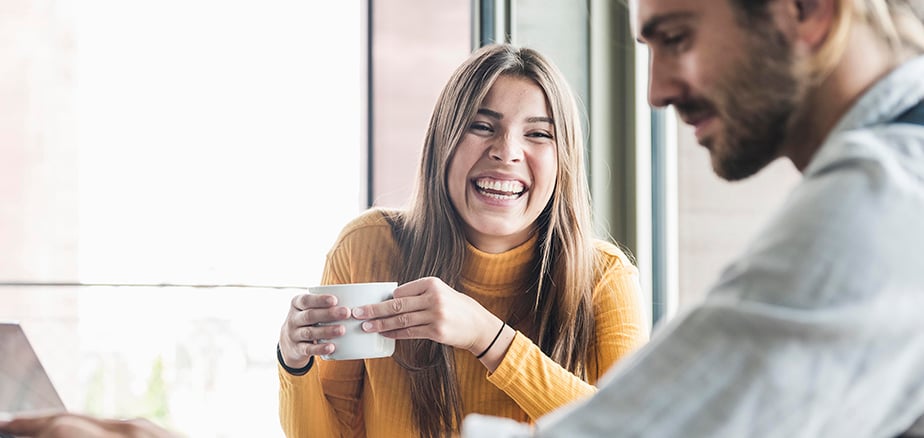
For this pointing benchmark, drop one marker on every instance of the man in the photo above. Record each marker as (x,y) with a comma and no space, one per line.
(817,330)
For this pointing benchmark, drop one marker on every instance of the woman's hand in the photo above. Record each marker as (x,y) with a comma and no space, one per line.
(429,309)
(300,333)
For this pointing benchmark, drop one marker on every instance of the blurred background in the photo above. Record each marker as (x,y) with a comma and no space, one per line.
(173,172)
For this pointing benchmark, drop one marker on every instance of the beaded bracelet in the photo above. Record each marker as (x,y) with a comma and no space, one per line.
(492,342)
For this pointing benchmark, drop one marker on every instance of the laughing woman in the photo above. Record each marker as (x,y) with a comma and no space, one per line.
(507,304)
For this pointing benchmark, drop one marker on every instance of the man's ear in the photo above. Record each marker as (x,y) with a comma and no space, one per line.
(814,20)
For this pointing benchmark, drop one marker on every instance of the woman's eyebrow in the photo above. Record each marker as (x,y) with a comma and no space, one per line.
(489,113)
(496,115)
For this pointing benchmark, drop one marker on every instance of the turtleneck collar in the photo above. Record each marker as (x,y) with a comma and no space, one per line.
(505,273)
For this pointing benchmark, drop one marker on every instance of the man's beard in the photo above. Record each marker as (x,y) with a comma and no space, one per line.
(756,102)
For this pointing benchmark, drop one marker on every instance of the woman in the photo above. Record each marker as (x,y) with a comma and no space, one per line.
(507,305)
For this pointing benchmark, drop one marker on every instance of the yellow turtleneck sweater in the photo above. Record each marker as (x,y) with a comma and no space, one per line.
(371,397)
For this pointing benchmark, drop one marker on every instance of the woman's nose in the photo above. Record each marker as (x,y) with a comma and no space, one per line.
(507,149)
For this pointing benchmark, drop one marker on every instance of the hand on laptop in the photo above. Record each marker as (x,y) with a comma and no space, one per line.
(61,425)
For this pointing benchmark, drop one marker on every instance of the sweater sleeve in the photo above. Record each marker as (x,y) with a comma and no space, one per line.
(327,400)
(536,382)
(324,402)
(539,384)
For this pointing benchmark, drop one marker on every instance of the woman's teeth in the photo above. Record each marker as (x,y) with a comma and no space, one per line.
(498,189)
(498,195)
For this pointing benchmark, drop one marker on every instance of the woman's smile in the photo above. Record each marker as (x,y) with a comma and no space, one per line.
(498,190)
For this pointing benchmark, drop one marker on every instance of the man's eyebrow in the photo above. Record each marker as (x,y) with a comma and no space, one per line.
(491,114)
(540,119)
(651,26)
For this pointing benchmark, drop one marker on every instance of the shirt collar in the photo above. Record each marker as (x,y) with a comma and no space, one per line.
(885,100)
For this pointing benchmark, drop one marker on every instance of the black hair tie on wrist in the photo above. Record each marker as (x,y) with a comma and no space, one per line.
(293,371)
(504,324)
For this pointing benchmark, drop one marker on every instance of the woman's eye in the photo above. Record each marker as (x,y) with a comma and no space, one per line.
(482,127)
(540,134)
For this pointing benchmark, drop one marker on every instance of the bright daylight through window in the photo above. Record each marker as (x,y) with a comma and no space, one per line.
(182,142)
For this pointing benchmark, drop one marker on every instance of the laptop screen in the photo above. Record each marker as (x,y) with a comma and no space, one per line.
(24,385)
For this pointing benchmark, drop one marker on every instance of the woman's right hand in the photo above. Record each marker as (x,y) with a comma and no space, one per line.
(299,337)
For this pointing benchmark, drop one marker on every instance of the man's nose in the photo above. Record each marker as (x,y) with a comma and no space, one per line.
(507,148)
(665,85)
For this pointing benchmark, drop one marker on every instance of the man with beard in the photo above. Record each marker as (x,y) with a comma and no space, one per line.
(816,330)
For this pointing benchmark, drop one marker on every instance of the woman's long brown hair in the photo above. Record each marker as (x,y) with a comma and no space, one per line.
(556,311)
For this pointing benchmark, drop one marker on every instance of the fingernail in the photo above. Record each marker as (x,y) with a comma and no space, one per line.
(359,312)
(367,326)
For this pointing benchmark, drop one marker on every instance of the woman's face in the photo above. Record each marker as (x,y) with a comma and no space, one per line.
(502,174)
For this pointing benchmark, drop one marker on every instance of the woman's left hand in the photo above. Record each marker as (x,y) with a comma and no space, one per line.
(428,308)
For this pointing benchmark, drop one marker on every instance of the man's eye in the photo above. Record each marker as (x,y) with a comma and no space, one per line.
(674,40)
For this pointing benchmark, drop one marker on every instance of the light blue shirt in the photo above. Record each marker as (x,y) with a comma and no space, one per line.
(816,330)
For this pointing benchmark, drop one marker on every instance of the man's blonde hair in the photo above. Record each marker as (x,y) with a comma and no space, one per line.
(900,23)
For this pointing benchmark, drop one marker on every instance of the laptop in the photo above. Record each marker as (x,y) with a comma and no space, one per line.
(24,385)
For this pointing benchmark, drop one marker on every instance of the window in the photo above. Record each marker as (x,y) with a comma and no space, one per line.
(416,45)
(192,143)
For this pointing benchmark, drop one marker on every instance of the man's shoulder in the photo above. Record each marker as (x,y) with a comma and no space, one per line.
(882,152)
(859,201)
(884,130)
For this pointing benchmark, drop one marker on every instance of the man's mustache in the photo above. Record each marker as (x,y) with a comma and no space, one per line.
(694,108)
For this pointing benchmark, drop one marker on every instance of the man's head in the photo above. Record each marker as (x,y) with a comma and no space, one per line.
(747,73)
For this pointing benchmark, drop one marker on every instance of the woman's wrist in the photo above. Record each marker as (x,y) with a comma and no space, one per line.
(493,341)
(486,330)
(493,357)
(293,371)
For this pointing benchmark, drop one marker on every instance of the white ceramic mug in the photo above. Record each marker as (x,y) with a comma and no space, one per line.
(355,343)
